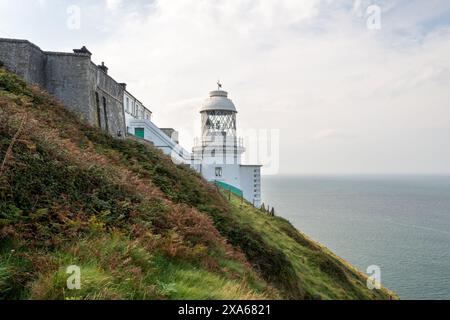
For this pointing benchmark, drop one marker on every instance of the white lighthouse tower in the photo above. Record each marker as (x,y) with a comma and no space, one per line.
(218,152)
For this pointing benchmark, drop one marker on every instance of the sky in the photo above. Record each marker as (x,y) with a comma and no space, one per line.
(347,87)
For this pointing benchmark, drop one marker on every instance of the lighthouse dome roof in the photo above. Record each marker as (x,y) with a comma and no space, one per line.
(218,100)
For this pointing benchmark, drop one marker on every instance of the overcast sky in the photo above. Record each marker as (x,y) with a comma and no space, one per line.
(346,98)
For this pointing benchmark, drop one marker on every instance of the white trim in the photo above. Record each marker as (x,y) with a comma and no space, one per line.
(154,133)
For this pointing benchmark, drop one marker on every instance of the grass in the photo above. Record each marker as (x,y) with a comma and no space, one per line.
(138,226)
(115,268)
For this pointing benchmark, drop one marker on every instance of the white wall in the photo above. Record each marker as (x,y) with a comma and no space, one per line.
(251,184)
(230,173)
(246,178)
(161,141)
(133,109)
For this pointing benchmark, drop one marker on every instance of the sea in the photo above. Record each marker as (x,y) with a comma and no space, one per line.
(400,224)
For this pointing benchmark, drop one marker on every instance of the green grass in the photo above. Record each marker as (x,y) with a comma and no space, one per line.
(116,268)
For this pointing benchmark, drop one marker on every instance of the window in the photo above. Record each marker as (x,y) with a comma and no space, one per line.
(97,104)
(105,113)
(127,105)
(219,172)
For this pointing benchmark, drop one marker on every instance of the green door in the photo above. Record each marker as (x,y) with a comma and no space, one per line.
(139,132)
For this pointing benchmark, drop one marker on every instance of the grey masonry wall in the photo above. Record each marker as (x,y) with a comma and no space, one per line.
(25,59)
(67,79)
(73,78)
(110,101)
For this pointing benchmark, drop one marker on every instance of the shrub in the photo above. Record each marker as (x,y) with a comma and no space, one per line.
(9,214)
(13,84)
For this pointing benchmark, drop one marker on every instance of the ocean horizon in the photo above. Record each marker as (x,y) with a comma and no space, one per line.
(400,223)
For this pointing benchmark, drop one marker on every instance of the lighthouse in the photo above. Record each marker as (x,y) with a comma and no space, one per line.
(217,154)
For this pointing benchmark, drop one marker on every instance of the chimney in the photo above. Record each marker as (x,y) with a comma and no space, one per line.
(103,67)
(123,85)
(83,50)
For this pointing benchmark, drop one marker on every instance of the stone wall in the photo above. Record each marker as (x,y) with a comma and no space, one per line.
(109,113)
(67,79)
(72,78)
(25,59)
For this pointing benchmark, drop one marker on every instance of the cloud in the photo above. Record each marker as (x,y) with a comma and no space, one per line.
(309,68)
(298,66)
(113,4)
(324,134)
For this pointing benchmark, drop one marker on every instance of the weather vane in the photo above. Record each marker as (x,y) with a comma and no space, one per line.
(219,85)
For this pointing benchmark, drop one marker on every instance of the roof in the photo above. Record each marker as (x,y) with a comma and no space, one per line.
(218,100)
(251,165)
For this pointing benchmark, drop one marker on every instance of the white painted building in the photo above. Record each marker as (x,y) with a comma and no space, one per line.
(139,123)
(134,109)
(217,155)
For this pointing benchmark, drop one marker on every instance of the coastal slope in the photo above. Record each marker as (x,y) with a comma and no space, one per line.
(137,225)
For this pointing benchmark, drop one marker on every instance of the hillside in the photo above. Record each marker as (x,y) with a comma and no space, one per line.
(139,226)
